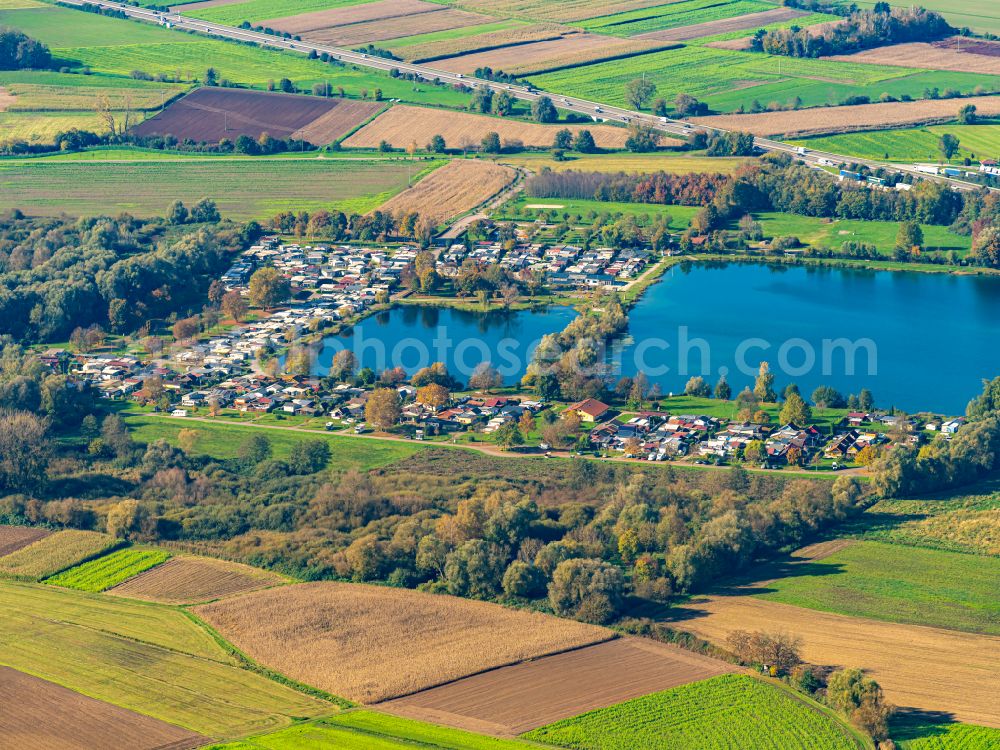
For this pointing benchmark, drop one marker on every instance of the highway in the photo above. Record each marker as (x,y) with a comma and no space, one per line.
(595,110)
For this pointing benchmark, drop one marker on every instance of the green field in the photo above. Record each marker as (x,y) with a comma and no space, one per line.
(917,734)
(730,712)
(147,188)
(149,658)
(673,163)
(968,522)
(900,584)
(802,22)
(982,16)
(832,234)
(261,10)
(118,47)
(728,79)
(367,730)
(41,90)
(222,439)
(913,145)
(673,15)
(55,553)
(441,36)
(558,208)
(110,570)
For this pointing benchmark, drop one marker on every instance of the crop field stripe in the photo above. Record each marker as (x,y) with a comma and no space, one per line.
(110,570)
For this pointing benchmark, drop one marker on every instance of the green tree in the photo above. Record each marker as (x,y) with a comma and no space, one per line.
(523,581)
(563,140)
(584,142)
(755,452)
(588,590)
(543,110)
(795,411)
(474,570)
(967,115)
(437,144)
(909,236)
(638,92)
(948,145)
(177,213)
(642,139)
(861,699)
(491,143)
(986,247)
(723,391)
(697,386)
(508,435)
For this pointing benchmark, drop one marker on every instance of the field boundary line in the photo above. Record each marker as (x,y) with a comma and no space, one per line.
(612,635)
(245,662)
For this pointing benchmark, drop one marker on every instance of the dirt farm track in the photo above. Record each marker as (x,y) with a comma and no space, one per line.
(919,667)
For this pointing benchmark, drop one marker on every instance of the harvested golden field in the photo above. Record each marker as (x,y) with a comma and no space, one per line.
(571,49)
(842,119)
(919,667)
(338,122)
(372,643)
(54,553)
(7,99)
(404,124)
(515,699)
(725,25)
(191,580)
(41,715)
(452,190)
(532,32)
(324,19)
(13,538)
(944,55)
(558,10)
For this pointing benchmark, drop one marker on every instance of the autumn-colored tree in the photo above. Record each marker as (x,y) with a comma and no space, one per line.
(485,378)
(795,411)
(382,409)
(433,395)
(866,456)
(234,305)
(268,288)
(187,439)
(763,387)
(344,365)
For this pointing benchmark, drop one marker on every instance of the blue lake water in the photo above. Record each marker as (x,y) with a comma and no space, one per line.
(917,340)
(413,337)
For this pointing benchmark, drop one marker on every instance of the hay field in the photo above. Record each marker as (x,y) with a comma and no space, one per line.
(556,10)
(428,47)
(571,49)
(452,190)
(13,538)
(344,118)
(386,22)
(402,124)
(380,10)
(919,667)
(861,117)
(515,699)
(54,553)
(147,658)
(371,643)
(191,580)
(756,20)
(937,56)
(40,715)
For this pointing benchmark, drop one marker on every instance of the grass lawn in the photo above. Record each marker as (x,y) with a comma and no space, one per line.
(913,144)
(832,234)
(223,438)
(529,208)
(147,188)
(900,584)
(110,570)
(144,657)
(711,407)
(368,730)
(730,711)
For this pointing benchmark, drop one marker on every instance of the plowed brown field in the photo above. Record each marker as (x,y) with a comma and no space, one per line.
(190,580)
(861,117)
(41,715)
(452,190)
(393,28)
(12,538)
(919,667)
(403,124)
(337,123)
(371,643)
(558,10)
(981,57)
(325,19)
(512,700)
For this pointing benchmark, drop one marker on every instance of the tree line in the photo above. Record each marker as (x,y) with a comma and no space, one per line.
(19,51)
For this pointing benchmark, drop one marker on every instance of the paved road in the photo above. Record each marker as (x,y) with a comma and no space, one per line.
(595,110)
